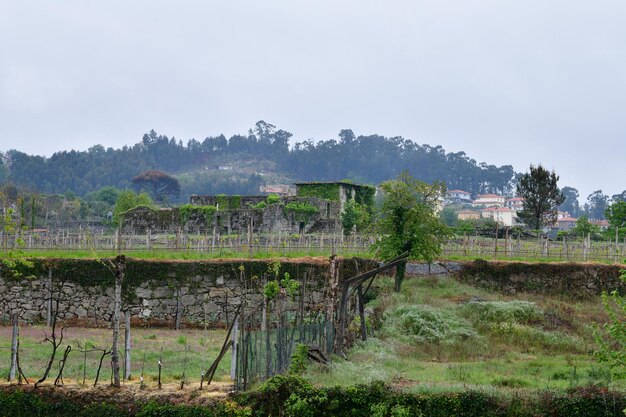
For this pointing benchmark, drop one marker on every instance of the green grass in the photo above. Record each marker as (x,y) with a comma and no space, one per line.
(188,351)
(441,335)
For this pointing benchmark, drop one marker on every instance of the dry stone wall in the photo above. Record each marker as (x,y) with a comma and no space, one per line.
(576,280)
(202,292)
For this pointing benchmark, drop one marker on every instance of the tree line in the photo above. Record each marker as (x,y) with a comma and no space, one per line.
(367,159)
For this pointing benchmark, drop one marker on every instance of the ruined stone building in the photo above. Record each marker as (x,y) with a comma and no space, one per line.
(316,207)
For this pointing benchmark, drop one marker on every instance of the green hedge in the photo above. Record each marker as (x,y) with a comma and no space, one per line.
(32,404)
(291,396)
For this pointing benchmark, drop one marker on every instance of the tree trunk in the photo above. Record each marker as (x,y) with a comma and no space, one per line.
(127,346)
(49,302)
(120,266)
(233,358)
(400,271)
(14,336)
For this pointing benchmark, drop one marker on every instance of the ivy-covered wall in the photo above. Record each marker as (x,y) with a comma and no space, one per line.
(290,215)
(207,291)
(578,280)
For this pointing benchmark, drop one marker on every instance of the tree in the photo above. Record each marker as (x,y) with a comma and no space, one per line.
(571,204)
(584,228)
(158,183)
(612,345)
(127,200)
(541,197)
(408,222)
(619,197)
(616,216)
(596,205)
(354,215)
(449,217)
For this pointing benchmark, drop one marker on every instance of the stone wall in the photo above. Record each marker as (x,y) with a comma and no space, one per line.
(272,219)
(204,292)
(577,280)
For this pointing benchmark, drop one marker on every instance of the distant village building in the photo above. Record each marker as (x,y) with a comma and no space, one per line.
(458,197)
(278,189)
(504,216)
(515,203)
(602,224)
(566,223)
(468,215)
(489,200)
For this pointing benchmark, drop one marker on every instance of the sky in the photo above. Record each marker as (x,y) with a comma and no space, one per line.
(509,82)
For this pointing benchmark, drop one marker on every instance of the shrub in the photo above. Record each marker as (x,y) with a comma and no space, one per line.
(272,199)
(425,324)
(487,312)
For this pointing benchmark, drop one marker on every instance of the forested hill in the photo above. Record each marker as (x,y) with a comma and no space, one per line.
(368,159)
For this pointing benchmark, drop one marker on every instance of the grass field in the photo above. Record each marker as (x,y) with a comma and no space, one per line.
(440,335)
(184,351)
(435,335)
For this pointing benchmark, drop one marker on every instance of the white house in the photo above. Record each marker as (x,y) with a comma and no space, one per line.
(515,203)
(503,215)
(489,200)
(458,197)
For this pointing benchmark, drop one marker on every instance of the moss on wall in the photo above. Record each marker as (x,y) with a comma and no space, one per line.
(320,190)
(578,280)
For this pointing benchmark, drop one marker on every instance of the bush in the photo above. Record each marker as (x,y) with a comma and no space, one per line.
(425,324)
(487,312)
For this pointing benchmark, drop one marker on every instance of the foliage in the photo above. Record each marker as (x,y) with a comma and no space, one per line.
(612,347)
(584,228)
(187,210)
(158,183)
(364,195)
(355,215)
(272,199)
(515,311)
(222,201)
(424,324)
(325,191)
(407,221)
(541,197)
(570,204)
(285,285)
(259,206)
(616,216)
(302,211)
(291,396)
(596,205)
(234,202)
(369,158)
(449,217)
(299,359)
(127,200)
(14,261)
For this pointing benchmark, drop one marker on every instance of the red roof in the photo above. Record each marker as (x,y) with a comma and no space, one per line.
(567,219)
(490,196)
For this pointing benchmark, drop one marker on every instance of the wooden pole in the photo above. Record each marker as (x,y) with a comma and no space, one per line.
(127,346)
(14,338)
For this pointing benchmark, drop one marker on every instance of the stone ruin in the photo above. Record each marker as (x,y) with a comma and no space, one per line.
(253,214)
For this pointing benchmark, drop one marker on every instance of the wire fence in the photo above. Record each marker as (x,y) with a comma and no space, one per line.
(320,244)
(210,245)
(564,250)
(262,354)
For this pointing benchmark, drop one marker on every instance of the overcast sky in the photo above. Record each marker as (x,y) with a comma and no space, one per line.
(508,82)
